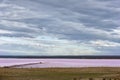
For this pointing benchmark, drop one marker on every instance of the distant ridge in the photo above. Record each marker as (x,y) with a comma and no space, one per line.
(65,57)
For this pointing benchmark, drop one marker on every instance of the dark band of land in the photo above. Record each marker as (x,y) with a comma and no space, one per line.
(65,57)
(60,73)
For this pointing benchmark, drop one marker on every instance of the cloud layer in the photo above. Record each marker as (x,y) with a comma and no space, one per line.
(59,27)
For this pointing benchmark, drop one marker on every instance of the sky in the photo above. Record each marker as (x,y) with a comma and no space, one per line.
(59,27)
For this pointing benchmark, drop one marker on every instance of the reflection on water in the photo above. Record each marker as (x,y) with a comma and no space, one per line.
(44,63)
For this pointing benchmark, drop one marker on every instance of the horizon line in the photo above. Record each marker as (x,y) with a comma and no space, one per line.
(64,56)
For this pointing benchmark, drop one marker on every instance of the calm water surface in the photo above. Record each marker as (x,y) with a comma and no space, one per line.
(60,63)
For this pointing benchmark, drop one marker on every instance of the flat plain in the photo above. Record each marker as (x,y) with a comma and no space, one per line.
(58,73)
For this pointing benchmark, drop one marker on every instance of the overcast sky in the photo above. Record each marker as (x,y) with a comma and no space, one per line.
(59,27)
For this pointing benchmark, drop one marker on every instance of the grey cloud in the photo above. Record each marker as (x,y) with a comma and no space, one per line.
(79,20)
(16,35)
(110,50)
(19,29)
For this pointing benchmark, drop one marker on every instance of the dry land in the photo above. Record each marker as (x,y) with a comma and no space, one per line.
(59,73)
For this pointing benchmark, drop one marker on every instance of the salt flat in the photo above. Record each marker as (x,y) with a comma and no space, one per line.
(48,63)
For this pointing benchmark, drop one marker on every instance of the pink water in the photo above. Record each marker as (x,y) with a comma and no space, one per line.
(60,63)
